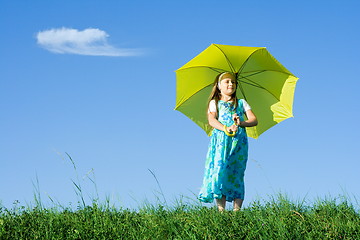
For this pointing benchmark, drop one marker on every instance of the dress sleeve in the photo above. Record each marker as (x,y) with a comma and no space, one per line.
(246,105)
(212,106)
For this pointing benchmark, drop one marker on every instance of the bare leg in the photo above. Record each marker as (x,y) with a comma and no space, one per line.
(221,203)
(238,203)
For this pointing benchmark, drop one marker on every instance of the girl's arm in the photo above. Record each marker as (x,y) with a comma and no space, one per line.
(251,122)
(216,124)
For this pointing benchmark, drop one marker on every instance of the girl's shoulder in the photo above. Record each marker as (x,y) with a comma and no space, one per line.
(212,103)
(241,102)
(212,106)
(244,104)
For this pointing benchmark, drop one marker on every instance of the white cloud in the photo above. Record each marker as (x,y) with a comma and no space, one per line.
(90,41)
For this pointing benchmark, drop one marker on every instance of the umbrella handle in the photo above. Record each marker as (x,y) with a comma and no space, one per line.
(229,134)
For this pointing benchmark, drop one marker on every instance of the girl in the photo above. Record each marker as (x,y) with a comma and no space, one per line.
(228,149)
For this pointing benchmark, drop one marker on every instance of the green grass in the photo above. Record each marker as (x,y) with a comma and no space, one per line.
(278,218)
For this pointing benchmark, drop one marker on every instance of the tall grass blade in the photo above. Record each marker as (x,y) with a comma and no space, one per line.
(161,191)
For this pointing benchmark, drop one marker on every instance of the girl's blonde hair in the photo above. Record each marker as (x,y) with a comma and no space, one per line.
(216,94)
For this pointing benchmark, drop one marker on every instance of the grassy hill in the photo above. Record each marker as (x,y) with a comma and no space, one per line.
(275,219)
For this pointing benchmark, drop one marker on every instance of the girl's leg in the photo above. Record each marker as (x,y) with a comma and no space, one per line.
(238,203)
(221,203)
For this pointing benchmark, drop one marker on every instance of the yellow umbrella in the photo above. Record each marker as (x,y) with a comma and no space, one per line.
(262,81)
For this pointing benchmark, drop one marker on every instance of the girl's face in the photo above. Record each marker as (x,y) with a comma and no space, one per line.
(227,86)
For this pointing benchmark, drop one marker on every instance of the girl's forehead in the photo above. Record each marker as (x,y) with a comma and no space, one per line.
(225,75)
(228,79)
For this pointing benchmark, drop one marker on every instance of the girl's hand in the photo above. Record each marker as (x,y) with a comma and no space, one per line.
(232,128)
(236,119)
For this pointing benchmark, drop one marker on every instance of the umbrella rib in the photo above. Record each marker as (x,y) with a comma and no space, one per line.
(243,65)
(258,86)
(258,72)
(271,71)
(227,59)
(243,92)
(218,70)
(254,84)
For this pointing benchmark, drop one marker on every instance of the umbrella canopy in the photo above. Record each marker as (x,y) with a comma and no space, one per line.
(261,80)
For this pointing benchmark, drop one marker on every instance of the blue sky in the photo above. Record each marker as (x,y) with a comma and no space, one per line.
(107,96)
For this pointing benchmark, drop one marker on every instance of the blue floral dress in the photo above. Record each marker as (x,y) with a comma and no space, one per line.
(226,158)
